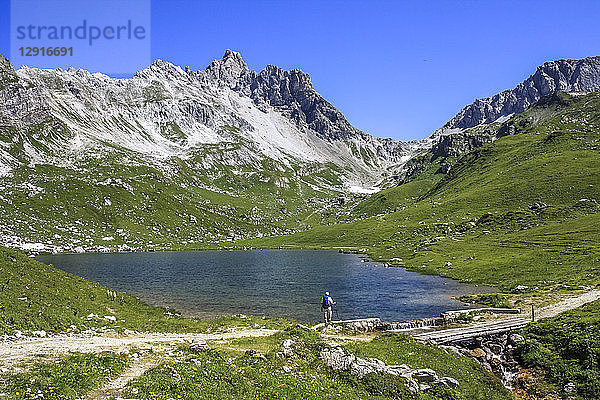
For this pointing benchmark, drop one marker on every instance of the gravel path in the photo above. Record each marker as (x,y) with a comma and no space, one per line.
(568,304)
(13,353)
(440,336)
(114,387)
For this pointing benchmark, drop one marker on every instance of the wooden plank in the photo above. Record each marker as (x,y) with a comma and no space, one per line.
(458,334)
(471,335)
(478,327)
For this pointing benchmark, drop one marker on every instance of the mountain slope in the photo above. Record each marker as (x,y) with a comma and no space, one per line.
(522,210)
(173,157)
(479,122)
(551,77)
(164,111)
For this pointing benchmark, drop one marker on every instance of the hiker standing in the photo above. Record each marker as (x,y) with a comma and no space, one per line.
(326,307)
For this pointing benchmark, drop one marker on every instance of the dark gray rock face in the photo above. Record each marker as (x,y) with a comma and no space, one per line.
(293,94)
(457,144)
(6,68)
(290,91)
(553,76)
(293,91)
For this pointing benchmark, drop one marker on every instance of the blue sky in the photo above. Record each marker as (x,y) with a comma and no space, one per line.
(395,69)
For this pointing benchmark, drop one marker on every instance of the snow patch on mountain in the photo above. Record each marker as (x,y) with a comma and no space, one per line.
(362,190)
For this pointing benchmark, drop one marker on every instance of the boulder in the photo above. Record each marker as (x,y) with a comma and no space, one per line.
(361,367)
(287,347)
(538,206)
(477,353)
(424,375)
(399,370)
(489,354)
(173,372)
(515,339)
(570,388)
(495,363)
(414,380)
(448,382)
(199,345)
(495,348)
(337,359)
(255,354)
(412,386)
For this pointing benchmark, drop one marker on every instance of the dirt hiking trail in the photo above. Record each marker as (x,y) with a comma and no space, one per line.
(24,350)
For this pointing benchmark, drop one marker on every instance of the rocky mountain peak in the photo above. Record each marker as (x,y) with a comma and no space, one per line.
(568,76)
(553,76)
(291,92)
(301,79)
(233,56)
(160,69)
(161,64)
(229,70)
(5,65)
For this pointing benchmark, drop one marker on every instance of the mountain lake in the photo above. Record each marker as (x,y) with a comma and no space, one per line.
(277,283)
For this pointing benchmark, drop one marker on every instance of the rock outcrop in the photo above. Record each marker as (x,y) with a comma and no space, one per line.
(472,126)
(293,94)
(553,76)
(415,379)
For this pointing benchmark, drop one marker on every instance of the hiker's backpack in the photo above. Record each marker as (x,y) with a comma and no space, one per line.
(326,302)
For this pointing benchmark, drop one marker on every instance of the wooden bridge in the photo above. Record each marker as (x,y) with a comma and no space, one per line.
(506,324)
(471,331)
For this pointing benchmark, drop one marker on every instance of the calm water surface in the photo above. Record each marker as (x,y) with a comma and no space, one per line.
(285,283)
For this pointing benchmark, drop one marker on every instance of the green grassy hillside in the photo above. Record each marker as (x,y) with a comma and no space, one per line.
(522,210)
(121,200)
